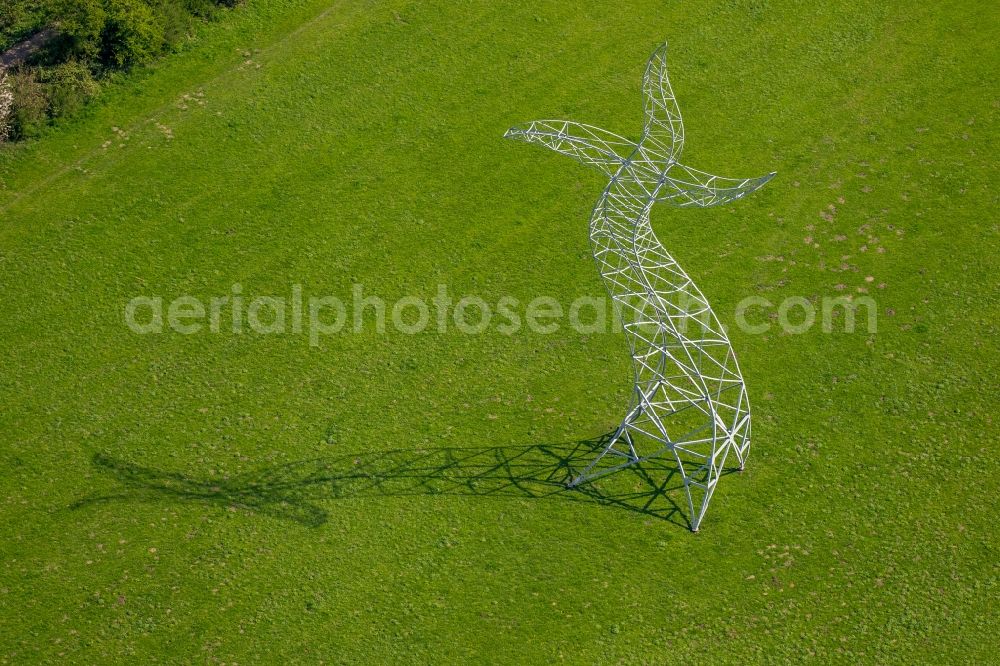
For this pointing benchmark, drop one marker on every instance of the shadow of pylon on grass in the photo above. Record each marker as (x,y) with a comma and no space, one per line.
(292,491)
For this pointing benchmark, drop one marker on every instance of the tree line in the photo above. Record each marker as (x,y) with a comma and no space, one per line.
(57,53)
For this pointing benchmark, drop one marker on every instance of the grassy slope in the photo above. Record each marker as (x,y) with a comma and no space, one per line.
(365,148)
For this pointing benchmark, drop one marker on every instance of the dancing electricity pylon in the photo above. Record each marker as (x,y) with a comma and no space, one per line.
(689,400)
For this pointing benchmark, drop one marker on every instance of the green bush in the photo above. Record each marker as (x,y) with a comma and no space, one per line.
(11,14)
(17,19)
(80,24)
(132,34)
(176,20)
(68,87)
(201,8)
(29,114)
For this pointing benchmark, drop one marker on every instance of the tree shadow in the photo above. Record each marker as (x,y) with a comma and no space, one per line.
(295,491)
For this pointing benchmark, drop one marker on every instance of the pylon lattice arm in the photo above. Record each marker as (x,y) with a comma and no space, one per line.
(691,187)
(590,145)
(664,128)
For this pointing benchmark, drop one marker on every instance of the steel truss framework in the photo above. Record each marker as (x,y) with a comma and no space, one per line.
(689,399)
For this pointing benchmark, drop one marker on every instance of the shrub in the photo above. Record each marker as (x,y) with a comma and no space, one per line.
(132,34)
(80,24)
(68,87)
(10,16)
(176,20)
(30,107)
(6,106)
(14,15)
(201,8)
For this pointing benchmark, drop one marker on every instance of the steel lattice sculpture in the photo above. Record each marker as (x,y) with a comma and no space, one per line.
(689,400)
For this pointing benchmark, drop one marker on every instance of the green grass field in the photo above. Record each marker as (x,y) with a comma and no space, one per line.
(392,498)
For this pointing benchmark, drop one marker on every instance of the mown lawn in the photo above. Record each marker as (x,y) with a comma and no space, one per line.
(392,498)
